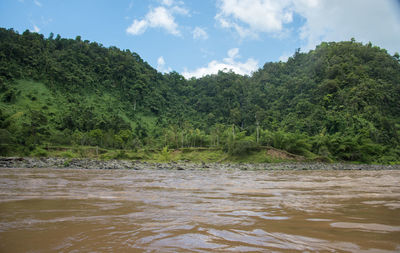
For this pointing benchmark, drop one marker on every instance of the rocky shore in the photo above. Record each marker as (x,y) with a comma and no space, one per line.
(84,163)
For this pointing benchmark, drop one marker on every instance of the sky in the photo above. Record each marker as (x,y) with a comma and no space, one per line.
(200,37)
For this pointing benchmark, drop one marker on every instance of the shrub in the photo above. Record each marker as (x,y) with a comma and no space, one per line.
(39,152)
(68,154)
(165,154)
(242,147)
(121,154)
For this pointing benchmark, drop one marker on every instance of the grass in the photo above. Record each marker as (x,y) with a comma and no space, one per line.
(30,96)
(190,155)
(75,151)
(259,156)
(193,155)
(36,96)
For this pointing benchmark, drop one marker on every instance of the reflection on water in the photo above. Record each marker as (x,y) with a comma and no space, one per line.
(47,210)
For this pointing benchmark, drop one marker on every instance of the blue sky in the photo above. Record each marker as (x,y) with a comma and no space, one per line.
(199,37)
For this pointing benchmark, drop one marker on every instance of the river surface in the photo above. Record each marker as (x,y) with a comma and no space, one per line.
(72,210)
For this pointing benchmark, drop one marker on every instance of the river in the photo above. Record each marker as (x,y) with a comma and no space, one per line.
(76,210)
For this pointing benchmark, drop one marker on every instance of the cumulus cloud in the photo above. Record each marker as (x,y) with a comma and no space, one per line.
(199,33)
(161,65)
(137,27)
(227,64)
(249,17)
(367,20)
(159,17)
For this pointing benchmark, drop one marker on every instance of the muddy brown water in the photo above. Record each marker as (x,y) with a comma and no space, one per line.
(71,210)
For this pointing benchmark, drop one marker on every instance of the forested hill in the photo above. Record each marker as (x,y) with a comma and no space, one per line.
(338,102)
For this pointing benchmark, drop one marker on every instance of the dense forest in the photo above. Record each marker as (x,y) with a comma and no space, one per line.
(339,102)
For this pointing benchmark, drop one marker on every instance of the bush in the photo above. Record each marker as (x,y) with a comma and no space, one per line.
(68,154)
(292,142)
(10,96)
(6,137)
(39,152)
(121,154)
(242,147)
(61,137)
(67,163)
(165,154)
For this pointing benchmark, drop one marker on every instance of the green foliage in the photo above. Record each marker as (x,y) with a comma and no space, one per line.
(6,137)
(67,163)
(39,152)
(68,154)
(165,155)
(338,102)
(121,154)
(242,147)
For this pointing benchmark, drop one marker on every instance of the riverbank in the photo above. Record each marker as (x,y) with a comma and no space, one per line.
(85,163)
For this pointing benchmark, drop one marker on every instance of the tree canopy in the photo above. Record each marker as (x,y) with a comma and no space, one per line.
(340,101)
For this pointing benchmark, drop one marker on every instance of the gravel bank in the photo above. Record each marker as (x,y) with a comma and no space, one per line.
(29,162)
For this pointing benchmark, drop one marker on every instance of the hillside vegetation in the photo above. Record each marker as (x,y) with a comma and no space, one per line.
(339,102)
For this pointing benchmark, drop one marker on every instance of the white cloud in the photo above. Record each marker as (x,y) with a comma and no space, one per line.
(285,57)
(233,53)
(167,2)
(161,65)
(228,64)
(180,10)
(37,3)
(249,17)
(199,33)
(159,17)
(367,20)
(35,29)
(160,62)
(137,27)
